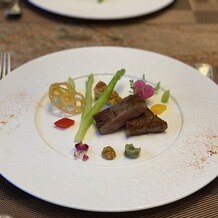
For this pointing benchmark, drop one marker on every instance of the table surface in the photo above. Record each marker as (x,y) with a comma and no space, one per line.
(186,30)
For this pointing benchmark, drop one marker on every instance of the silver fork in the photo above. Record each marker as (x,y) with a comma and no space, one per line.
(5,65)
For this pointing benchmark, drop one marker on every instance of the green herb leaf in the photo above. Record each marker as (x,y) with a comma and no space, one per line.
(131,83)
(165,97)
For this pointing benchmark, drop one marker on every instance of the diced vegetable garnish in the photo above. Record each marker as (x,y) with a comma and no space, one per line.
(165,97)
(158,108)
(64,123)
(132,152)
(88,119)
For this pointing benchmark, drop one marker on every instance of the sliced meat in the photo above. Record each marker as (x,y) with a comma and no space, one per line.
(145,123)
(115,117)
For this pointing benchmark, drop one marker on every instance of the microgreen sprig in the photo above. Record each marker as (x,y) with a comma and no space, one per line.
(131,83)
(157,87)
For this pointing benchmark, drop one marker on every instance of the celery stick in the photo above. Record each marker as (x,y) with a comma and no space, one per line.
(88,96)
(88,119)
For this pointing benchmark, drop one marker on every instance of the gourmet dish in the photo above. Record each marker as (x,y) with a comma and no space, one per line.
(130,113)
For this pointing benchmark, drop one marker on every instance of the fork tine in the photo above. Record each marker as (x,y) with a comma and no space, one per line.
(8,63)
(5,66)
(1,65)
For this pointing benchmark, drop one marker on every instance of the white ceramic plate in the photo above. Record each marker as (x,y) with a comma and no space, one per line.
(108,10)
(36,157)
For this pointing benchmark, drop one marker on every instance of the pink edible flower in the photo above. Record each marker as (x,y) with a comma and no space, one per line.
(139,84)
(81,147)
(85,157)
(142,89)
(148,91)
(80,151)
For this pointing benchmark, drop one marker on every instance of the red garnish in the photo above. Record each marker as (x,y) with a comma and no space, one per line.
(85,157)
(64,123)
(81,147)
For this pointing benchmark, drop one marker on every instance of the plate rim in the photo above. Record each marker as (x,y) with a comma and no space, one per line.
(107,210)
(84,17)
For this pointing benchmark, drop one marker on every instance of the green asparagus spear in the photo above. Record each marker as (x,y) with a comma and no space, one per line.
(88,119)
(88,96)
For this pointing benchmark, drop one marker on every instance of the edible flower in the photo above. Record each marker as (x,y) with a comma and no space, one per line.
(81,147)
(80,151)
(142,89)
(85,157)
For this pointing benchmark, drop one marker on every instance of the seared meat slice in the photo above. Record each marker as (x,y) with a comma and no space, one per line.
(114,117)
(146,122)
